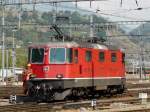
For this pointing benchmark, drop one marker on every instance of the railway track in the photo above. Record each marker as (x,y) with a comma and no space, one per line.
(103,104)
(126,101)
(6,91)
(138,84)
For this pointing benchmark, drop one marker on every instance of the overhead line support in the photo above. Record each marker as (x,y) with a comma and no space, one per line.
(3,39)
(24,2)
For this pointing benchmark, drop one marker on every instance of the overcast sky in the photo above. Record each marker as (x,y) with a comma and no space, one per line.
(127,10)
(112,7)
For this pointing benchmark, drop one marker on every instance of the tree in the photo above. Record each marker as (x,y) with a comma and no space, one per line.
(35,16)
(76,17)
(24,16)
(47,17)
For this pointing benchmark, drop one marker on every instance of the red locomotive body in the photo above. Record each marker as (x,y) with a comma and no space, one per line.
(70,68)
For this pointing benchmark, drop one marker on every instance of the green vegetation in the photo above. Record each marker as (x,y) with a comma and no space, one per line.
(21,58)
(143,29)
(34,33)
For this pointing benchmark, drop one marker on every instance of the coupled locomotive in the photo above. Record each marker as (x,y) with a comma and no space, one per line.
(57,70)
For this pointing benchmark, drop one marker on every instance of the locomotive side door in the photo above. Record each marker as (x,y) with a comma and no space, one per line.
(76,67)
(114,68)
(87,64)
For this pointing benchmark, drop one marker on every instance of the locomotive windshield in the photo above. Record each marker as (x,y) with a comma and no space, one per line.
(60,55)
(37,55)
(57,55)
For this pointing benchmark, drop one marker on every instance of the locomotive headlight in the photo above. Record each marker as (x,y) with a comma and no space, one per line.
(29,65)
(32,75)
(59,76)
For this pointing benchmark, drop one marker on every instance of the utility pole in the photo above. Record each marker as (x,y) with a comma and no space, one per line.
(19,16)
(133,61)
(3,39)
(54,18)
(7,54)
(93,102)
(70,30)
(54,13)
(14,54)
(142,67)
(91,26)
(107,33)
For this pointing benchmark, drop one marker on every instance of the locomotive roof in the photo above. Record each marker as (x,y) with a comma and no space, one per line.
(71,44)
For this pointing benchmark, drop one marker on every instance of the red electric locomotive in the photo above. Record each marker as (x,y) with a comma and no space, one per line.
(58,70)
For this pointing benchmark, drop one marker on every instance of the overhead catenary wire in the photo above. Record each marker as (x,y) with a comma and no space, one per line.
(121,3)
(24,2)
(111,15)
(98,23)
(129,10)
(97,11)
(100,12)
(108,14)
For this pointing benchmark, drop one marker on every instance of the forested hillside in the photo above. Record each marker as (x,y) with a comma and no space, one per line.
(144,36)
(31,30)
(35,29)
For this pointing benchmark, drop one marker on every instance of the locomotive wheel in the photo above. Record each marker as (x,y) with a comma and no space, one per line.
(77,93)
(109,92)
(25,91)
(120,89)
(31,92)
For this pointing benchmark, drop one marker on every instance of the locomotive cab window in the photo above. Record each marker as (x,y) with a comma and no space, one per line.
(69,55)
(123,58)
(113,57)
(37,55)
(76,56)
(57,55)
(101,56)
(88,56)
(29,54)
